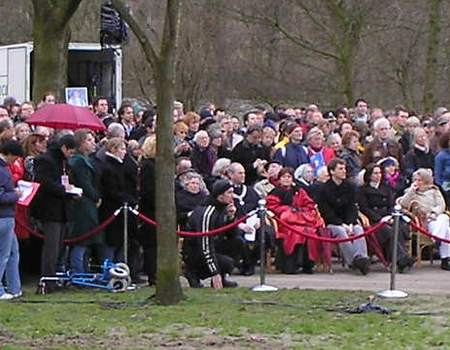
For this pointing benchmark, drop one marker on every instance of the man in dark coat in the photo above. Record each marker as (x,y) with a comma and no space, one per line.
(382,146)
(199,253)
(51,171)
(249,151)
(337,205)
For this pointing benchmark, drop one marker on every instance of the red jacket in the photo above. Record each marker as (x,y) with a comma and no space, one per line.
(17,170)
(300,214)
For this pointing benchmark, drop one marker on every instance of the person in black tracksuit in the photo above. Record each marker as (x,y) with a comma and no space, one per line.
(199,253)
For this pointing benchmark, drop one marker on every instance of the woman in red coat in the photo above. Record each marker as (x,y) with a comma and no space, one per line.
(293,205)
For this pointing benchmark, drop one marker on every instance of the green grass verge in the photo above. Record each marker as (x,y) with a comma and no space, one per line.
(225,319)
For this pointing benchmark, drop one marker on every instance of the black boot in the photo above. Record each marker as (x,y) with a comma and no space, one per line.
(444,264)
(194,281)
(227,283)
(362,264)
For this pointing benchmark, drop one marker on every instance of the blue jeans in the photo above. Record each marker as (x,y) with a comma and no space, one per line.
(9,257)
(77,256)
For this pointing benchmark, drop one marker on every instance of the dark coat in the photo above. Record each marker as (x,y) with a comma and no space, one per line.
(147,195)
(84,212)
(114,193)
(8,195)
(187,202)
(51,203)
(199,253)
(377,150)
(246,199)
(292,155)
(376,203)
(246,154)
(202,160)
(352,161)
(416,159)
(337,203)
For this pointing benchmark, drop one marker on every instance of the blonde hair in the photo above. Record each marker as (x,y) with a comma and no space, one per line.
(180,126)
(149,148)
(114,143)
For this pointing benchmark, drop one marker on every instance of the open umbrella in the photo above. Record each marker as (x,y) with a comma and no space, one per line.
(64,116)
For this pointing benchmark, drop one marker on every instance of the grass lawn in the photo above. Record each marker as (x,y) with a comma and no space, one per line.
(221,319)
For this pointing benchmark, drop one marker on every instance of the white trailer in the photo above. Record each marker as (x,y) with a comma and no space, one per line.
(89,66)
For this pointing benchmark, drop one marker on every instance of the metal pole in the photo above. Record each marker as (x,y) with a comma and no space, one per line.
(262,287)
(392,293)
(397,215)
(262,242)
(125,232)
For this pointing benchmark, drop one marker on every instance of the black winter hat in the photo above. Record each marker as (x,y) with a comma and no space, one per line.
(220,187)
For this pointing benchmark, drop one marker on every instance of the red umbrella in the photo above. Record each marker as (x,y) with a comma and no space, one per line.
(63,116)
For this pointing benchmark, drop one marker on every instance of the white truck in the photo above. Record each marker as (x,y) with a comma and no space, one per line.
(89,66)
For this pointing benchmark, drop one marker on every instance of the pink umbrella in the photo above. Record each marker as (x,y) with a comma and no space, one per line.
(63,116)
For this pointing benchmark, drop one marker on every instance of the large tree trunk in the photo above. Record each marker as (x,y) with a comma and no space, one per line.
(434,28)
(162,60)
(168,288)
(51,35)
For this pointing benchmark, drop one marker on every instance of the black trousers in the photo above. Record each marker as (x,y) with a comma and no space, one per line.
(225,265)
(290,264)
(53,251)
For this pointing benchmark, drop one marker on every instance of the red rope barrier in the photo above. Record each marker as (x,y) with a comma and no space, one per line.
(426,233)
(197,234)
(332,240)
(72,240)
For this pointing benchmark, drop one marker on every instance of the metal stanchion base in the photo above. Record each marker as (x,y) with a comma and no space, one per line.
(393,294)
(264,288)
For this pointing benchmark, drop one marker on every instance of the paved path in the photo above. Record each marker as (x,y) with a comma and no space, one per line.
(429,279)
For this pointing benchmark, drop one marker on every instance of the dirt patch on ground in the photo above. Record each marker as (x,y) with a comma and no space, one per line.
(177,336)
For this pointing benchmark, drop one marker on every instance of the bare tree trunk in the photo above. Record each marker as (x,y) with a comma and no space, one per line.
(434,25)
(162,60)
(51,35)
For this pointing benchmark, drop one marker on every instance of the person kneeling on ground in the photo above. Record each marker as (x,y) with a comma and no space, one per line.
(199,253)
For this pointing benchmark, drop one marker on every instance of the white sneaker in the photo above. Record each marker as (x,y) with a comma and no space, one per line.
(6,296)
(17,295)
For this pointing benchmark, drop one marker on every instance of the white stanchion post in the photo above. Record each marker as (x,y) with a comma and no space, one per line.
(392,292)
(262,287)
(125,232)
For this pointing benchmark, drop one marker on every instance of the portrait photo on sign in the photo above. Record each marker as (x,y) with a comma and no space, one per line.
(77,96)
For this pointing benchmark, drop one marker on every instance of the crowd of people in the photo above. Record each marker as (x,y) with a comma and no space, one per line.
(318,171)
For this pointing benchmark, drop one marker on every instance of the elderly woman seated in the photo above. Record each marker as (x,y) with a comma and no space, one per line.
(293,205)
(426,199)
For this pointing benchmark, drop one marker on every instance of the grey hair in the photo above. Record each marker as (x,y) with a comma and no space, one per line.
(300,172)
(380,122)
(425,174)
(219,166)
(188,176)
(115,130)
(199,134)
(322,171)
(334,137)
(233,167)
